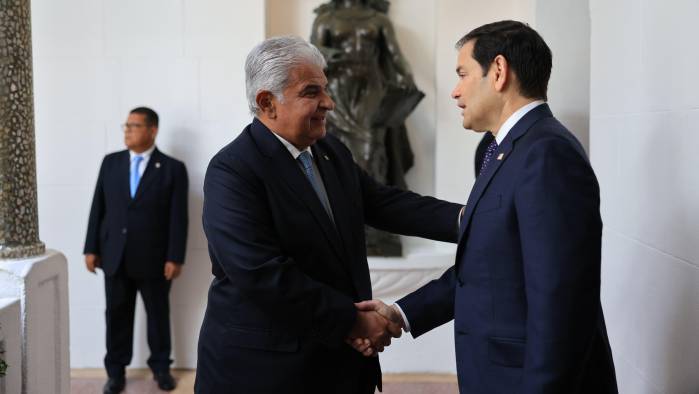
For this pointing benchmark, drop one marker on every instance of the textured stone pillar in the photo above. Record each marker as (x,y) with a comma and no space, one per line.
(19,229)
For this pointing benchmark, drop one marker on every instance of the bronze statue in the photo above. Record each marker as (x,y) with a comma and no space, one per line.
(374,92)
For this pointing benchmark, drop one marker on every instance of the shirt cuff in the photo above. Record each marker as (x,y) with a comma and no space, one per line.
(406,323)
(458,219)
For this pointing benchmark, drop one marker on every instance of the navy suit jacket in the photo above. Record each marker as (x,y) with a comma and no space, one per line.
(524,292)
(145,231)
(286,278)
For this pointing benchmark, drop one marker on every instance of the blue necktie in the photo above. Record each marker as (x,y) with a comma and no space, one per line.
(306,161)
(135,175)
(488,155)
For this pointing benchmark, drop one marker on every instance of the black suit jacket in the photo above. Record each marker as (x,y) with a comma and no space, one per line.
(144,231)
(281,302)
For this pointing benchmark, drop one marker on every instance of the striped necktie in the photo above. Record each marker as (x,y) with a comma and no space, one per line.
(306,161)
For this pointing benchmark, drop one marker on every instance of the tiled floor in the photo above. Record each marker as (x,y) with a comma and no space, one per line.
(90,381)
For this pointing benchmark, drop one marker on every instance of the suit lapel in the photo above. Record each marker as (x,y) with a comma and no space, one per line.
(291,174)
(124,174)
(151,173)
(336,194)
(341,208)
(499,158)
(482,182)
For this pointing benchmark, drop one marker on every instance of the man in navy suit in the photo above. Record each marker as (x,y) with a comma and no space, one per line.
(137,233)
(524,292)
(284,213)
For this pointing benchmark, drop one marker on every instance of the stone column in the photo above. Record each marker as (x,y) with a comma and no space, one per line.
(19,228)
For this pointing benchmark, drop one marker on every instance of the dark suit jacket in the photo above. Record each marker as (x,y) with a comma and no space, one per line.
(145,231)
(281,302)
(525,288)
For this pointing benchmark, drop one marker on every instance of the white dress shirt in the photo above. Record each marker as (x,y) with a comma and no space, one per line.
(295,152)
(142,166)
(514,118)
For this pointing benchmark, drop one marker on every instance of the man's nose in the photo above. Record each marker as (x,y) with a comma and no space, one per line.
(327,103)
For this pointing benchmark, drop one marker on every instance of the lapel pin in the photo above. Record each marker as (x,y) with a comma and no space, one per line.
(500,156)
(326,157)
(157,164)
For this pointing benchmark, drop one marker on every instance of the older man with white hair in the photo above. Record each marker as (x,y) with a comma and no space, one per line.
(284,213)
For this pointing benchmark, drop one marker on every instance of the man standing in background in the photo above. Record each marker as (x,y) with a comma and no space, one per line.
(137,235)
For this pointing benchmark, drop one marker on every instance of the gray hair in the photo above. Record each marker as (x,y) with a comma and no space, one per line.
(269,64)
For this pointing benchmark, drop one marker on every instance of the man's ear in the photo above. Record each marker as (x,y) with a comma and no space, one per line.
(501,73)
(265,103)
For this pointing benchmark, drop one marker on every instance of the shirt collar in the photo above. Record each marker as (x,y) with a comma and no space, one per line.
(514,118)
(295,152)
(144,155)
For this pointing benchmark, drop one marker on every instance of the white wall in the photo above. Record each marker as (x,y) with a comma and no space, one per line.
(565,26)
(644,134)
(94,60)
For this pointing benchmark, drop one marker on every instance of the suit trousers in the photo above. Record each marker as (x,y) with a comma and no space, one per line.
(316,370)
(121,291)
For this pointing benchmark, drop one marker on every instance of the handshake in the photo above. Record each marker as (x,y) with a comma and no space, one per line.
(376,324)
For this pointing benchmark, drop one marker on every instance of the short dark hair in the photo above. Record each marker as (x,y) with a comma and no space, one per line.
(149,114)
(525,51)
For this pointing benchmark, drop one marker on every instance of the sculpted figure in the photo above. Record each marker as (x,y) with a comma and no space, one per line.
(374,92)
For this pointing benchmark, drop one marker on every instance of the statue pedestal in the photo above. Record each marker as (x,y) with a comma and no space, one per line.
(41,285)
(394,277)
(11,345)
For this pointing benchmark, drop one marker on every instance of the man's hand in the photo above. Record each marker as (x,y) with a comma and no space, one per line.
(373,331)
(172,270)
(92,261)
(369,346)
(391,313)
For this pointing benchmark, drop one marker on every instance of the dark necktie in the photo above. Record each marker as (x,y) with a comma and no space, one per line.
(488,155)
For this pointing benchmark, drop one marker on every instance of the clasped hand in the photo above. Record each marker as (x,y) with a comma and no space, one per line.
(376,324)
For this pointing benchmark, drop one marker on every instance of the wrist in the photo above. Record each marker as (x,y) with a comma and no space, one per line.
(403,318)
